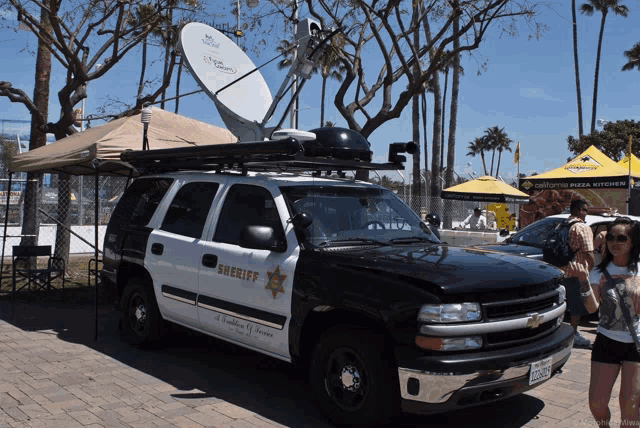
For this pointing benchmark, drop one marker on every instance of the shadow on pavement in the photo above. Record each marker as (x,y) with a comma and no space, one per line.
(208,370)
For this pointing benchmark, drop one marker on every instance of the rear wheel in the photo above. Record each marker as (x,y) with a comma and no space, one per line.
(141,319)
(355,381)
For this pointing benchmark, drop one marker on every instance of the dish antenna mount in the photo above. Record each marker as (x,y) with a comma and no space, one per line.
(233,82)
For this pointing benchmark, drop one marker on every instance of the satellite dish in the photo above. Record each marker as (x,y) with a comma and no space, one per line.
(216,61)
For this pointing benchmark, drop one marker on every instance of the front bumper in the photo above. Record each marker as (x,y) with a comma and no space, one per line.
(455,383)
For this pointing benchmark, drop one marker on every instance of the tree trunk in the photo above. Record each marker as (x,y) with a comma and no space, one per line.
(498,167)
(178,85)
(577,68)
(484,165)
(453,118)
(595,79)
(436,173)
(144,66)
(444,114)
(167,51)
(493,156)
(425,146)
(415,120)
(324,88)
(33,188)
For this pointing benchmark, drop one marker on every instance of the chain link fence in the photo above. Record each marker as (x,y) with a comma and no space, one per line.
(451,212)
(42,206)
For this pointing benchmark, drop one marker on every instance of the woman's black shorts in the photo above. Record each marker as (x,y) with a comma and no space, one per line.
(611,351)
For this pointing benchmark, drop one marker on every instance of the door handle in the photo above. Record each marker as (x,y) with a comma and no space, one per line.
(157,249)
(209,260)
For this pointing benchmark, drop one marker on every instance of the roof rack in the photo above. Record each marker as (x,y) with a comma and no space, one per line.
(285,155)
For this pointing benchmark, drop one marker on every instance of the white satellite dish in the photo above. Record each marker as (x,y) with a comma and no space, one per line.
(216,61)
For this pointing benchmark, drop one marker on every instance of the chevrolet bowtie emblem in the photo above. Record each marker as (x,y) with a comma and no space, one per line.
(534,320)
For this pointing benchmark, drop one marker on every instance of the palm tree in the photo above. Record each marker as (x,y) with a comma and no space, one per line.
(330,68)
(633,58)
(448,64)
(329,124)
(577,68)
(604,7)
(455,89)
(426,87)
(494,137)
(502,145)
(477,147)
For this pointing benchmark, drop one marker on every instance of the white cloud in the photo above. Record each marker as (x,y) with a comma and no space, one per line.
(537,93)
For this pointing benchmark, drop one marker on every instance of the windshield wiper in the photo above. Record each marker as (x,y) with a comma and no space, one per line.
(355,240)
(411,239)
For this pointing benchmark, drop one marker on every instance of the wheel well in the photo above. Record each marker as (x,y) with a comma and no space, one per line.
(316,323)
(127,271)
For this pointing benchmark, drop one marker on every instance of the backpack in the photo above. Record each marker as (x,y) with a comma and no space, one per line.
(556,250)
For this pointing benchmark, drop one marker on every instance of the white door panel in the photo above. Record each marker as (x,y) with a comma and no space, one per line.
(247,296)
(174,274)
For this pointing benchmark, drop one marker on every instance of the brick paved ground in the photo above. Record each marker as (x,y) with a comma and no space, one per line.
(53,374)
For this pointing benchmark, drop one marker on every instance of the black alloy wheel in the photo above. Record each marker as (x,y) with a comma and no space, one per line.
(141,320)
(354,377)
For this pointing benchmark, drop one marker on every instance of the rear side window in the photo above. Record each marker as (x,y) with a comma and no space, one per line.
(140,201)
(247,205)
(188,211)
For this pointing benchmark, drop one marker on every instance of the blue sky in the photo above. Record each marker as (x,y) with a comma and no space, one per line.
(528,88)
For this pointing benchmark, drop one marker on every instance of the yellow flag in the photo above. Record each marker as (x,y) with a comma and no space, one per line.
(516,155)
(630,144)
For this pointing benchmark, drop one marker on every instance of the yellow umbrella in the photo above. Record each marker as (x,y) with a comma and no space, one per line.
(485,189)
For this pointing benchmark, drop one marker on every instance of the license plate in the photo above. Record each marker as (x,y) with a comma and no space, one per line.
(540,370)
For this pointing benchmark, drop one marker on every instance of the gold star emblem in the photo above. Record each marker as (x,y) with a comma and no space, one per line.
(276,279)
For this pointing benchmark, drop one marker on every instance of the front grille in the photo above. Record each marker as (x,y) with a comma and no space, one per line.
(513,308)
(516,337)
(519,308)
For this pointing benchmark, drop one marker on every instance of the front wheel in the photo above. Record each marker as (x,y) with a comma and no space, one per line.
(354,380)
(141,319)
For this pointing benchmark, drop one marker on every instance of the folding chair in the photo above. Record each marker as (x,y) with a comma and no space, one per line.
(29,273)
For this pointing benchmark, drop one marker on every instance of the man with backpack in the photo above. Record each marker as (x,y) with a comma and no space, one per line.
(577,270)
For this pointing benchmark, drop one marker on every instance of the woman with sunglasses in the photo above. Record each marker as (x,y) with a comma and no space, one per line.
(614,351)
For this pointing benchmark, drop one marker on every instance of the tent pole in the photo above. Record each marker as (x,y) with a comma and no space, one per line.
(96,223)
(6,220)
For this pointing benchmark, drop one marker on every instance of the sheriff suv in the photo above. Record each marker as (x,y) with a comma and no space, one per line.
(252,244)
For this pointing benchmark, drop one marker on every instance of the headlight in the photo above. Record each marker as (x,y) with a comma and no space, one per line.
(453,312)
(449,343)
(562,294)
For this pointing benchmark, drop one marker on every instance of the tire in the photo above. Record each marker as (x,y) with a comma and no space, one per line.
(141,322)
(354,378)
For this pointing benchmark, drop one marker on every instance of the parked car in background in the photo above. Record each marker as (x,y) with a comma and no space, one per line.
(529,241)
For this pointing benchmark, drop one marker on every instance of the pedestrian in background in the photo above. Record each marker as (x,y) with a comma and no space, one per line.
(616,287)
(576,272)
(599,246)
(475,221)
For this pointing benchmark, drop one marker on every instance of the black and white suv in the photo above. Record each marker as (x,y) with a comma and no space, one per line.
(239,242)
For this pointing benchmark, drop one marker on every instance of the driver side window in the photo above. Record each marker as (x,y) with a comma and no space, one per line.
(247,205)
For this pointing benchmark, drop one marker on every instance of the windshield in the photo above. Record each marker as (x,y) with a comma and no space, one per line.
(536,234)
(356,214)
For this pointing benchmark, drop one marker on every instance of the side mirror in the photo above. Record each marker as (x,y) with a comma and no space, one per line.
(504,232)
(261,238)
(302,220)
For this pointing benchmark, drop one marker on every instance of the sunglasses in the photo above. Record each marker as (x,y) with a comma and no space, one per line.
(610,237)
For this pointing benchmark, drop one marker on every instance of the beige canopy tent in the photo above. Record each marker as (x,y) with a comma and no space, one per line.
(77,153)
(96,152)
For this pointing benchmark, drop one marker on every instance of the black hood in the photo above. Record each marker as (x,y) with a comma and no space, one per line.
(451,269)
